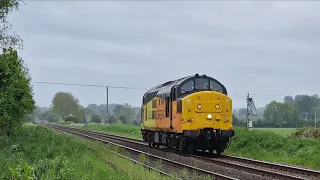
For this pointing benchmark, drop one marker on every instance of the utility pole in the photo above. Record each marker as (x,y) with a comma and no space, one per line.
(107,94)
(315,117)
(248,110)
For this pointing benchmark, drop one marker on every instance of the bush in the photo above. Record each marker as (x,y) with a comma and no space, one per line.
(96,118)
(112,119)
(123,119)
(308,132)
(71,119)
(40,153)
(16,97)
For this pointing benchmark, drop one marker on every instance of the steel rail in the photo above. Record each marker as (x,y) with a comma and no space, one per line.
(276,166)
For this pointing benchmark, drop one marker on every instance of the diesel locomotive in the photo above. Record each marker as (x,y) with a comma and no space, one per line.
(188,114)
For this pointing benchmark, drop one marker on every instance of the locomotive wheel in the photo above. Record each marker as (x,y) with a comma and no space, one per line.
(190,148)
(219,151)
(203,150)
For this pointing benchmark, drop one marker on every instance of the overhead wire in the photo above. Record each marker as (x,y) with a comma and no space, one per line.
(88,85)
(234,95)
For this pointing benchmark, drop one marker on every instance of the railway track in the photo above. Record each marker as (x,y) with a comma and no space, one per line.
(152,158)
(263,169)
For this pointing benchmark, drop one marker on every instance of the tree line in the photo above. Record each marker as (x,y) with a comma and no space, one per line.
(66,107)
(292,112)
(299,111)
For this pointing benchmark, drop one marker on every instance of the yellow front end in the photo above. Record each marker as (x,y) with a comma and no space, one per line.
(206,109)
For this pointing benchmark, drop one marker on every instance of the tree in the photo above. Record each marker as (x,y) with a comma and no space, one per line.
(306,104)
(88,111)
(64,103)
(237,122)
(71,118)
(16,97)
(96,118)
(288,99)
(242,112)
(112,119)
(128,112)
(272,114)
(80,113)
(49,116)
(7,39)
(117,111)
(279,114)
(35,114)
(138,117)
(123,119)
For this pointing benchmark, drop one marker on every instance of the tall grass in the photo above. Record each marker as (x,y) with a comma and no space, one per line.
(275,148)
(40,153)
(256,144)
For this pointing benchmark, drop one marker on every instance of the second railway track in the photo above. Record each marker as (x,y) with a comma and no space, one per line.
(251,169)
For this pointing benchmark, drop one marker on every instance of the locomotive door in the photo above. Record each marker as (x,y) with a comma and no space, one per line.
(172,98)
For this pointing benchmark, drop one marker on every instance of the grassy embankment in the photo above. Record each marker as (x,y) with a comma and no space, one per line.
(38,152)
(286,132)
(257,144)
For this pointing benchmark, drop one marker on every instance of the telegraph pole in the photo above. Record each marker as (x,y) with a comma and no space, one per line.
(107,94)
(315,117)
(248,110)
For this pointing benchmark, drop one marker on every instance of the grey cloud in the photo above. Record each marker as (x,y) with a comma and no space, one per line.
(262,48)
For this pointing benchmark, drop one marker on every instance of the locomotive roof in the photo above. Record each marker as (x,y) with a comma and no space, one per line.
(166,87)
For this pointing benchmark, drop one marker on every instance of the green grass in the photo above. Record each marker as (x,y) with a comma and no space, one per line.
(40,153)
(274,145)
(286,132)
(117,129)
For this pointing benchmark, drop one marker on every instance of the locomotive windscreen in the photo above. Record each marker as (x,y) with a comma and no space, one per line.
(201,83)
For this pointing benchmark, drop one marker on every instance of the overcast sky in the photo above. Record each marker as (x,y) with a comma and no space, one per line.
(269,49)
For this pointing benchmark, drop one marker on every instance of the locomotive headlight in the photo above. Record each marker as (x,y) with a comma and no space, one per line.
(199,106)
(217,106)
(209,116)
